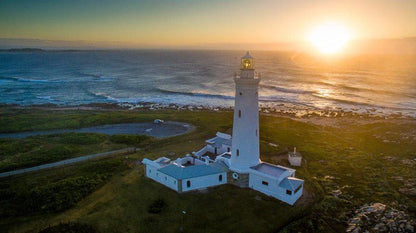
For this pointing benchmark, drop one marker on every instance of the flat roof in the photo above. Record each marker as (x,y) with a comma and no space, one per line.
(178,172)
(218,141)
(270,169)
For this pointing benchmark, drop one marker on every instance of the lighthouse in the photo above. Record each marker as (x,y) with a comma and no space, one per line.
(245,138)
(215,164)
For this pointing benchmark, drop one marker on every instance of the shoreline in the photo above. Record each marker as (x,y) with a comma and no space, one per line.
(283,110)
(336,119)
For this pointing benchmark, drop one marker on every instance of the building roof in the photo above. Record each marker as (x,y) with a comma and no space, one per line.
(247,55)
(223,135)
(178,172)
(158,163)
(218,141)
(270,169)
(291,183)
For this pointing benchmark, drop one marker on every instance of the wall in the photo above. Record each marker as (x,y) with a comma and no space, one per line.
(245,127)
(295,161)
(166,180)
(201,151)
(210,148)
(273,189)
(242,181)
(204,181)
(224,148)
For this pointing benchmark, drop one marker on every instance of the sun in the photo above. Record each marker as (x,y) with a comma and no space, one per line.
(330,38)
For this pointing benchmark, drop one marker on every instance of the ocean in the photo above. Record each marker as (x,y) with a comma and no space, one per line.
(377,84)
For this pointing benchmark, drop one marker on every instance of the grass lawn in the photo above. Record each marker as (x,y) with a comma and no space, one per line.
(362,160)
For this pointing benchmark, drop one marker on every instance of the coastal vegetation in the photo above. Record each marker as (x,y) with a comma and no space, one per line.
(348,162)
(41,149)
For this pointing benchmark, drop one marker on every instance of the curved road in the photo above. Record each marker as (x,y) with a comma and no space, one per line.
(167,129)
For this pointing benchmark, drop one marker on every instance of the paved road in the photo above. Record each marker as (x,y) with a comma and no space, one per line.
(67,161)
(167,129)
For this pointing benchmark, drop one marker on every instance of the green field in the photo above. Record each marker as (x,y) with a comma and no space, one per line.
(361,158)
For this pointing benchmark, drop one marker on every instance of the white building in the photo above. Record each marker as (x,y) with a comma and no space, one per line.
(295,158)
(189,174)
(215,146)
(233,160)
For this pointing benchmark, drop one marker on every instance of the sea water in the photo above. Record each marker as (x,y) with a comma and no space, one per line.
(384,84)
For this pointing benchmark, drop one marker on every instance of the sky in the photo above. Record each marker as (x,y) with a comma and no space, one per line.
(167,23)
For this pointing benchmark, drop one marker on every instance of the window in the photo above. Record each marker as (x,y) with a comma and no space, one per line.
(220,178)
(228,149)
(265,183)
(174,181)
(157,174)
(166,178)
(239,113)
(256,132)
(188,183)
(241,93)
(238,152)
(150,170)
(288,192)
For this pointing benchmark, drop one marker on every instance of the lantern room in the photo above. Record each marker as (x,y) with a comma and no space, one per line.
(247,62)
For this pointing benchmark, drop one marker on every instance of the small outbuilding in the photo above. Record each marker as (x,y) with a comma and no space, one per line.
(295,158)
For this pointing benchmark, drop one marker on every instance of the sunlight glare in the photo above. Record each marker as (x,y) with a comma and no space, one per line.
(329,38)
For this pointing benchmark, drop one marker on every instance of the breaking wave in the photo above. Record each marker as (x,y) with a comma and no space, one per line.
(199,94)
(17,79)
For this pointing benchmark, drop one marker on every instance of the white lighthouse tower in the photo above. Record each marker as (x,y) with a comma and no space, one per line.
(245,139)
(243,168)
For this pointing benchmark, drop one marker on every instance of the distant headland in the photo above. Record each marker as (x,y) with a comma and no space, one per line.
(31,50)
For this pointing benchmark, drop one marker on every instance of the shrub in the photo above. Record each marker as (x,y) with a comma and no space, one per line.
(70,227)
(20,197)
(75,138)
(51,197)
(129,139)
(157,206)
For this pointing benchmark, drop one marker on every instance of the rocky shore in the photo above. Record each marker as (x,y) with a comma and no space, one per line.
(377,217)
(280,109)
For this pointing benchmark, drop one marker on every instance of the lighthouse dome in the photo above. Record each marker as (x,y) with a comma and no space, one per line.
(247,62)
(247,56)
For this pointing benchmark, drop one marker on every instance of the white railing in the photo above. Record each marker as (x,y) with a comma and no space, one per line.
(200,152)
(257,75)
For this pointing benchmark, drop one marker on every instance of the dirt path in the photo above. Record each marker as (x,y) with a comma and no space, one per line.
(129,150)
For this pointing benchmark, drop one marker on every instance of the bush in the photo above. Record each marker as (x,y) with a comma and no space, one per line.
(61,195)
(10,147)
(75,138)
(20,197)
(69,227)
(129,139)
(157,206)
(50,197)
(46,155)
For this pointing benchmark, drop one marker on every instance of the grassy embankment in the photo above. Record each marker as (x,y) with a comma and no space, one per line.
(360,160)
